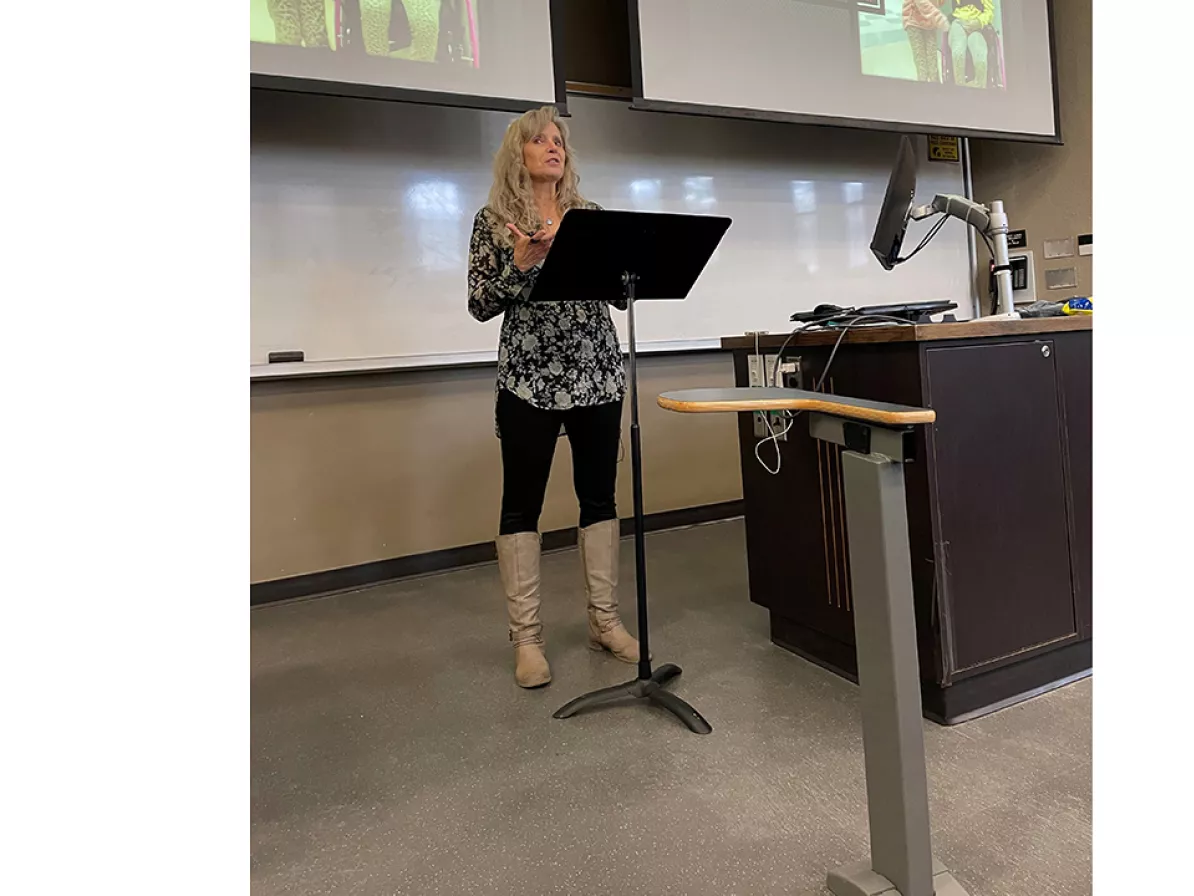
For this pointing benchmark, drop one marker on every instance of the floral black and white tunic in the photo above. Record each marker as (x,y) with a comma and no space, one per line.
(552,355)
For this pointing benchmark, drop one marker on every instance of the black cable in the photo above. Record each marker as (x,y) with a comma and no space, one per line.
(829,363)
(869,318)
(994,293)
(928,236)
(823,322)
(841,338)
(774,436)
(804,325)
(933,232)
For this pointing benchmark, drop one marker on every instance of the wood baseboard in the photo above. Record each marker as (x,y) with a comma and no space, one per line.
(351,578)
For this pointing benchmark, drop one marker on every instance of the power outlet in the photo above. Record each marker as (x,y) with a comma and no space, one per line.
(762,374)
(790,374)
(759,369)
(779,425)
(756,367)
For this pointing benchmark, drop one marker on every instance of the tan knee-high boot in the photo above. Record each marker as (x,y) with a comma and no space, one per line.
(599,556)
(518,561)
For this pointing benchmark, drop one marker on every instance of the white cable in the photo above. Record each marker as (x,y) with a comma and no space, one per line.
(790,417)
(774,438)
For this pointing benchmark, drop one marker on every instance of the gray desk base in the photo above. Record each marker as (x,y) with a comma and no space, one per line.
(902,862)
(862,880)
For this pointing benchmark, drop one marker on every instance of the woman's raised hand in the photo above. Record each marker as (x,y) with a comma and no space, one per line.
(531,249)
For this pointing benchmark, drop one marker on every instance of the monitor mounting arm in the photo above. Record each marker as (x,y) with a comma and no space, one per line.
(990,221)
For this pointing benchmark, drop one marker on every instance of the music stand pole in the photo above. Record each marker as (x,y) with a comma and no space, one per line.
(636,472)
(649,685)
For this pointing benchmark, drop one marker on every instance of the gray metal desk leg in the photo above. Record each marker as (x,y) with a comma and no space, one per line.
(889,680)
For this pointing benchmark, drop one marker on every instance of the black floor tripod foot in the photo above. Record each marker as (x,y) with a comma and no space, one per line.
(649,689)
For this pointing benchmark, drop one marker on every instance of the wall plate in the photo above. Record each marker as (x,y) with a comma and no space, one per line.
(761,373)
(1063,248)
(1061,278)
(1027,295)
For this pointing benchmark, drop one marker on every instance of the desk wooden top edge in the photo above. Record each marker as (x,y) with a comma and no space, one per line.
(969,329)
(712,401)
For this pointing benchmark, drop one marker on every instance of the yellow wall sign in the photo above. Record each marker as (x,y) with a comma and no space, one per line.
(943,149)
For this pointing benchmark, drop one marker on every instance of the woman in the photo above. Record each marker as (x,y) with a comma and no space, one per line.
(375,25)
(966,35)
(923,21)
(559,366)
(299,22)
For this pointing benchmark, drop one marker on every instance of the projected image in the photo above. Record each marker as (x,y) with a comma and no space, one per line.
(438,31)
(958,42)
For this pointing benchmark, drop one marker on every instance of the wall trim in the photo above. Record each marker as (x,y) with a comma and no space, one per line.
(364,575)
(302,370)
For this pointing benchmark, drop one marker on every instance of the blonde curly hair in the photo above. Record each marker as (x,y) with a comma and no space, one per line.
(510,197)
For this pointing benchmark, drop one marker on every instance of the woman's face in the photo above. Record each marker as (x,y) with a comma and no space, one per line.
(543,155)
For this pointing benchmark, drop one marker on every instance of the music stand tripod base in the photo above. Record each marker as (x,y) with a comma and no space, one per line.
(649,689)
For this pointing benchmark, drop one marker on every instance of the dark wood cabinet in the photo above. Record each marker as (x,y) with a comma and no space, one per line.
(999,502)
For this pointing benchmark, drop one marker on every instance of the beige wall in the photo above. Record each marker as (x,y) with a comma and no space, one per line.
(360,468)
(1047,189)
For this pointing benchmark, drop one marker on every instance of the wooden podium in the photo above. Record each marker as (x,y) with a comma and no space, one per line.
(999,503)
(877,439)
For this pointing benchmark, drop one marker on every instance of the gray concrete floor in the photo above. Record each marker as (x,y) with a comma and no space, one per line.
(393,754)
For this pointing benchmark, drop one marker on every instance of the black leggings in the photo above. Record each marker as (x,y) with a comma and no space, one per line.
(528,436)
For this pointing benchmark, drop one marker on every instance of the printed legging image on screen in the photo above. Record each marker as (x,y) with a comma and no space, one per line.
(958,42)
(414,30)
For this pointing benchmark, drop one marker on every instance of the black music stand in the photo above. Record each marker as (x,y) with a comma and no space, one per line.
(603,256)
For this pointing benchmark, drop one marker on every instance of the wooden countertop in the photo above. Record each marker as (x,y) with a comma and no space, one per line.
(707,401)
(976,329)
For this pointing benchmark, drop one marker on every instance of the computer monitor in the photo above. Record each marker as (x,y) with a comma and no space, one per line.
(893,217)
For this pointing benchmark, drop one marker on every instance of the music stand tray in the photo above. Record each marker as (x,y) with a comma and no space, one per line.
(604,256)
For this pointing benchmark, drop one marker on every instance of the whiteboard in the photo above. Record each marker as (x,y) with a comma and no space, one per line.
(361,213)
